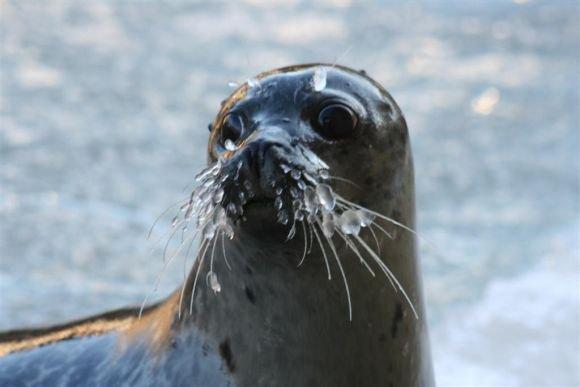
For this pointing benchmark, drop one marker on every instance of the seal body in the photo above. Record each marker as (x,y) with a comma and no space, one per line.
(265,306)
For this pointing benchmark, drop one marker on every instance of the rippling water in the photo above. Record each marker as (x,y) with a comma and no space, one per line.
(104,109)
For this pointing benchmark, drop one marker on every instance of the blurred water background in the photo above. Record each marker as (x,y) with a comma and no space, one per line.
(104,111)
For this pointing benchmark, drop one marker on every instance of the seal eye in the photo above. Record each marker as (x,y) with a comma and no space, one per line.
(336,121)
(232,127)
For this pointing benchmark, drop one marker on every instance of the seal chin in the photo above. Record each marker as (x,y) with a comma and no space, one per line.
(262,220)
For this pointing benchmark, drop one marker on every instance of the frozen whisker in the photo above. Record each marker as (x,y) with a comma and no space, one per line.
(388,273)
(353,247)
(160,275)
(202,247)
(343,278)
(375,224)
(375,238)
(329,177)
(201,260)
(214,283)
(305,244)
(224,252)
(323,253)
(161,215)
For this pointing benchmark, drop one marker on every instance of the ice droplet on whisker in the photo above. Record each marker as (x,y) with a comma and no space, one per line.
(350,222)
(326,196)
(214,283)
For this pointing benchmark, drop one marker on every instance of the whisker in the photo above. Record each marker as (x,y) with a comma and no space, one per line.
(388,234)
(330,177)
(311,238)
(161,215)
(375,238)
(169,241)
(224,252)
(212,253)
(165,235)
(202,258)
(160,275)
(356,251)
(383,265)
(343,278)
(203,245)
(323,252)
(305,244)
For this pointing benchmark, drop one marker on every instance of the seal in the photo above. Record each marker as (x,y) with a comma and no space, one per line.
(306,270)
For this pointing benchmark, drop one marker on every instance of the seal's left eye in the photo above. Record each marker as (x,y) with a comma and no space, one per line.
(336,121)
(232,127)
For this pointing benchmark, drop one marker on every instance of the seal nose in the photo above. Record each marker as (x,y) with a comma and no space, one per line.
(262,156)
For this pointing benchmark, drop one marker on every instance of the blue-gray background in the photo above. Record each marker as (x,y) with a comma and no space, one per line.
(104,108)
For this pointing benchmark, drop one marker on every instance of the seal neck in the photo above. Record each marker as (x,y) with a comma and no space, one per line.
(273,312)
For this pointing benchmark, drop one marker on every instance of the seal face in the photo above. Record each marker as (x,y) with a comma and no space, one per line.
(307,205)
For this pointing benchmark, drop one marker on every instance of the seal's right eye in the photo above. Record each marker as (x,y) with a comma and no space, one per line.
(336,122)
(232,127)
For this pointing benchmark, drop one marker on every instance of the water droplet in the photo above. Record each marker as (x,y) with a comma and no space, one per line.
(232,209)
(209,231)
(350,222)
(328,225)
(285,168)
(301,184)
(218,196)
(326,196)
(282,217)
(184,207)
(279,190)
(324,174)
(203,174)
(278,203)
(310,200)
(233,84)
(366,218)
(242,197)
(297,204)
(220,216)
(230,145)
(175,220)
(295,174)
(311,218)
(319,79)
(214,283)
(248,185)
(228,229)
(298,215)
(294,192)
